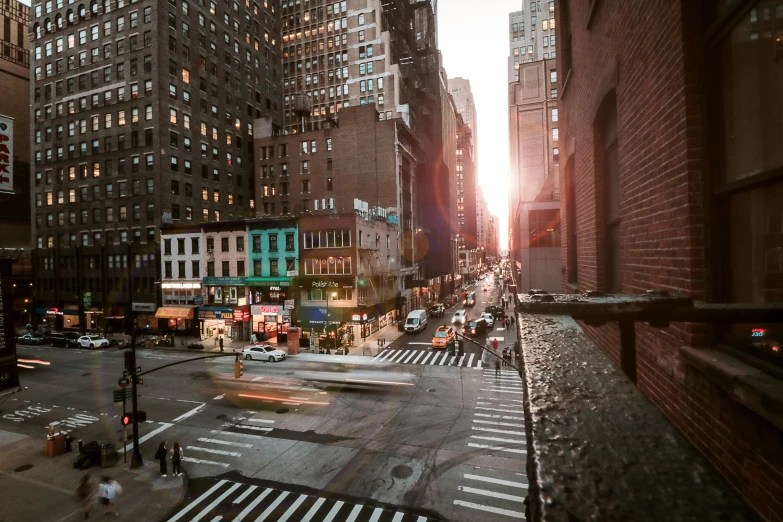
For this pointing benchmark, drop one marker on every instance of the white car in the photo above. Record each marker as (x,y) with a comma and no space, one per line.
(92,342)
(264,353)
(459,316)
(489,319)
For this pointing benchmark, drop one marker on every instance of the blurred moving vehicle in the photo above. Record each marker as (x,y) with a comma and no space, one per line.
(470,299)
(476,327)
(416,321)
(264,353)
(443,335)
(32,339)
(92,342)
(459,317)
(436,310)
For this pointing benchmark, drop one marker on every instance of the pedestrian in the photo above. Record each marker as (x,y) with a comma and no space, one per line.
(507,356)
(221,343)
(497,367)
(160,455)
(216,340)
(108,491)
(516,348)
(85,493)
(494,344)
(512,320)
(176,459)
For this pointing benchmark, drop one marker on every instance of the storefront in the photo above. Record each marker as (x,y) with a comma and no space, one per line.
(173,319)
(222,321)
(374,318)
(270,322)
(53,319)
(226,291)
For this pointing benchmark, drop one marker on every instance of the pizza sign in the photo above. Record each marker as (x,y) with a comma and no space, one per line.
(6,154)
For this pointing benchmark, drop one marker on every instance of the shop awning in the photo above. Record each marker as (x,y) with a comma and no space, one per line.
(174,312)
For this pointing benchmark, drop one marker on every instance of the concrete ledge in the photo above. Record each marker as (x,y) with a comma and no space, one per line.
(598,448)
(749,386)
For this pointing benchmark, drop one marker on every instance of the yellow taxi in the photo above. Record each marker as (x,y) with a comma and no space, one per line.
(443,335)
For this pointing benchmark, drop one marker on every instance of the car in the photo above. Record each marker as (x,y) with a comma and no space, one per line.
(459,316)
(476,327)
(92,342)
(443,336)
(489,318)
(32,339)
(469,299)
(496,311)
(264,352)
(436,310)
(63,339)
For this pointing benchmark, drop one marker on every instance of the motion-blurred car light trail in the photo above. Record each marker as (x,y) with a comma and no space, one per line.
(368,381)
(279,399)
(32,361)
(25,366)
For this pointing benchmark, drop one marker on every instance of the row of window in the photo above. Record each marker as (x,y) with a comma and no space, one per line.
(111,237)
(272,240)
(274,269)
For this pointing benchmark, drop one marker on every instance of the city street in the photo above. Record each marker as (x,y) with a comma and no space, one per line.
(314,437)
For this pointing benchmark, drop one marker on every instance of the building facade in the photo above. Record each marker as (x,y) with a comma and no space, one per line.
(531,35)
(459,88)
(534,188)
(15,217)
(687,200)
(466,189)
(142,115)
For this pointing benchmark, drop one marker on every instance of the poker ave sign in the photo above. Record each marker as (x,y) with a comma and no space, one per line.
(6,154)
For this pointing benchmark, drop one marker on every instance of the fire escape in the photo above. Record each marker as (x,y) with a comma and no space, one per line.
(376,282)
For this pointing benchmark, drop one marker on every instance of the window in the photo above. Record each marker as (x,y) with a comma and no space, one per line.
(608,167)
(273,242)
(226,269)
(555,134)
(554,115)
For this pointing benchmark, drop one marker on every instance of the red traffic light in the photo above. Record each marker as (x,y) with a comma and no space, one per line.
(126,419)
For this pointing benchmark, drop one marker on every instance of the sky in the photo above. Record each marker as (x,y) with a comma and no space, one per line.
(473,38)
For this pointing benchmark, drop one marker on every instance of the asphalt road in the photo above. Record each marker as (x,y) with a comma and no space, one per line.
(314,437)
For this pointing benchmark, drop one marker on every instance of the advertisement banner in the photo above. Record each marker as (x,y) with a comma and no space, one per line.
(6,154)
(9,373)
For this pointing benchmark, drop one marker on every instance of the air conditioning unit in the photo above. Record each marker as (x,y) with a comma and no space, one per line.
(210,251)
(240,249)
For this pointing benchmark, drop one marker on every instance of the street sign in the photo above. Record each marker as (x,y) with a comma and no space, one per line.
(121,395)
(289,304)
(123,382)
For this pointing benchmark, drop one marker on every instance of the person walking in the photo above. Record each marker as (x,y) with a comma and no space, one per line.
(176,459)
(160,456)
(85,493)
(494,344)
(507,357)
(108,491)
(497,367)
(221,343)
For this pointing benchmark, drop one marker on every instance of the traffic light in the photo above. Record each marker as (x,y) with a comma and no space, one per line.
(127,419)
(238,368)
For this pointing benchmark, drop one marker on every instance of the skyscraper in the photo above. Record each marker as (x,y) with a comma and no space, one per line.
(531,35)
(142,114)
(459,88)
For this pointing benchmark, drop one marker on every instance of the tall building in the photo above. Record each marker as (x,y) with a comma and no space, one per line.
(15,112)
(534,186)
(531,35)
(686,200)
(466,188)
(482,218)
(459,88)
(449,157)
(142,115)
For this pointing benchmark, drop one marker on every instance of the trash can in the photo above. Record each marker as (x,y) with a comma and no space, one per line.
(68,443)
(108,455)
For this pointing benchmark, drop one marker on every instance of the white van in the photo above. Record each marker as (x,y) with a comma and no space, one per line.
(416,321)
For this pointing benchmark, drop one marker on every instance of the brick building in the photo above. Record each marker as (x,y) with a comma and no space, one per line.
(466,188)
(14,103)
(142,114)
(670,137)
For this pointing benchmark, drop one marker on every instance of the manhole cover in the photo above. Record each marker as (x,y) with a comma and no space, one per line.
(401,472)
(221,417)
(282,410)
(23,468)
(431,390)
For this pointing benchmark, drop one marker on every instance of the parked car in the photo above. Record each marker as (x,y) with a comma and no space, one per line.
(436,310)
(64,339)
(459,317)
(496,311)
(489,318)
(443,335)
(476,327)
(416,321)
(264,352)
(32,339)
(93,341)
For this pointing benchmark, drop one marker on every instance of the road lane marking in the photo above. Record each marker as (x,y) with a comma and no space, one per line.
(216,452)
(376,515)
(498,439)
(438,354)
(255,428)
(420,343)
(314,509)
(190,413)
(267,421)
(501,399)
(148,436)
(495,430)
(410,356)
(430,354)
(497,448)
(252,505)
(488,493)
(507,417)
(470,360)
(445,356)
(218,397)
(461,360)
(225,442)
(199,461)
(479,364)
(198,501)
(398,357)
(494,409)
(398,517)
(354,513)
(498,423)
(215,502)
(272,507)
(333,512)
(244,495)
(500,390)
(246,435)
(416,360)
(388,354)
(499,482)
(294,507)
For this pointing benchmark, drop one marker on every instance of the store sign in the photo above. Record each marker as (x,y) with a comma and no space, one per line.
(289,304)
(274,288)
(356,317)
(241,315)
(331,284)
(54,311)
(224,281)
(6,154)
(143,307)
(292,273)
(265,310)
(181,286)
(221,314)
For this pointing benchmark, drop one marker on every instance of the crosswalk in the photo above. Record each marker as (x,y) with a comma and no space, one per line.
(430,357)
(486,491)
(498,423)
(236,501)
(224,448)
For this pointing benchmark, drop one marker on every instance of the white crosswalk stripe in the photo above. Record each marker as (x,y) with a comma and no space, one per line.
(260,503)
(483,494)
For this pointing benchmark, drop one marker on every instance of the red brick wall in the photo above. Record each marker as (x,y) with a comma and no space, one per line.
(642,52)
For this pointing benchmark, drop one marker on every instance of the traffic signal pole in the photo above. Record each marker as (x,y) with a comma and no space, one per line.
(136,460)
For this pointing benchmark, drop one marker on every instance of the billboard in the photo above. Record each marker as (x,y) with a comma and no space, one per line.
(9,376)
(6,154)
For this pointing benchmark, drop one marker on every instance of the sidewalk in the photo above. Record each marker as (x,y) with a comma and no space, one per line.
(38,487)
